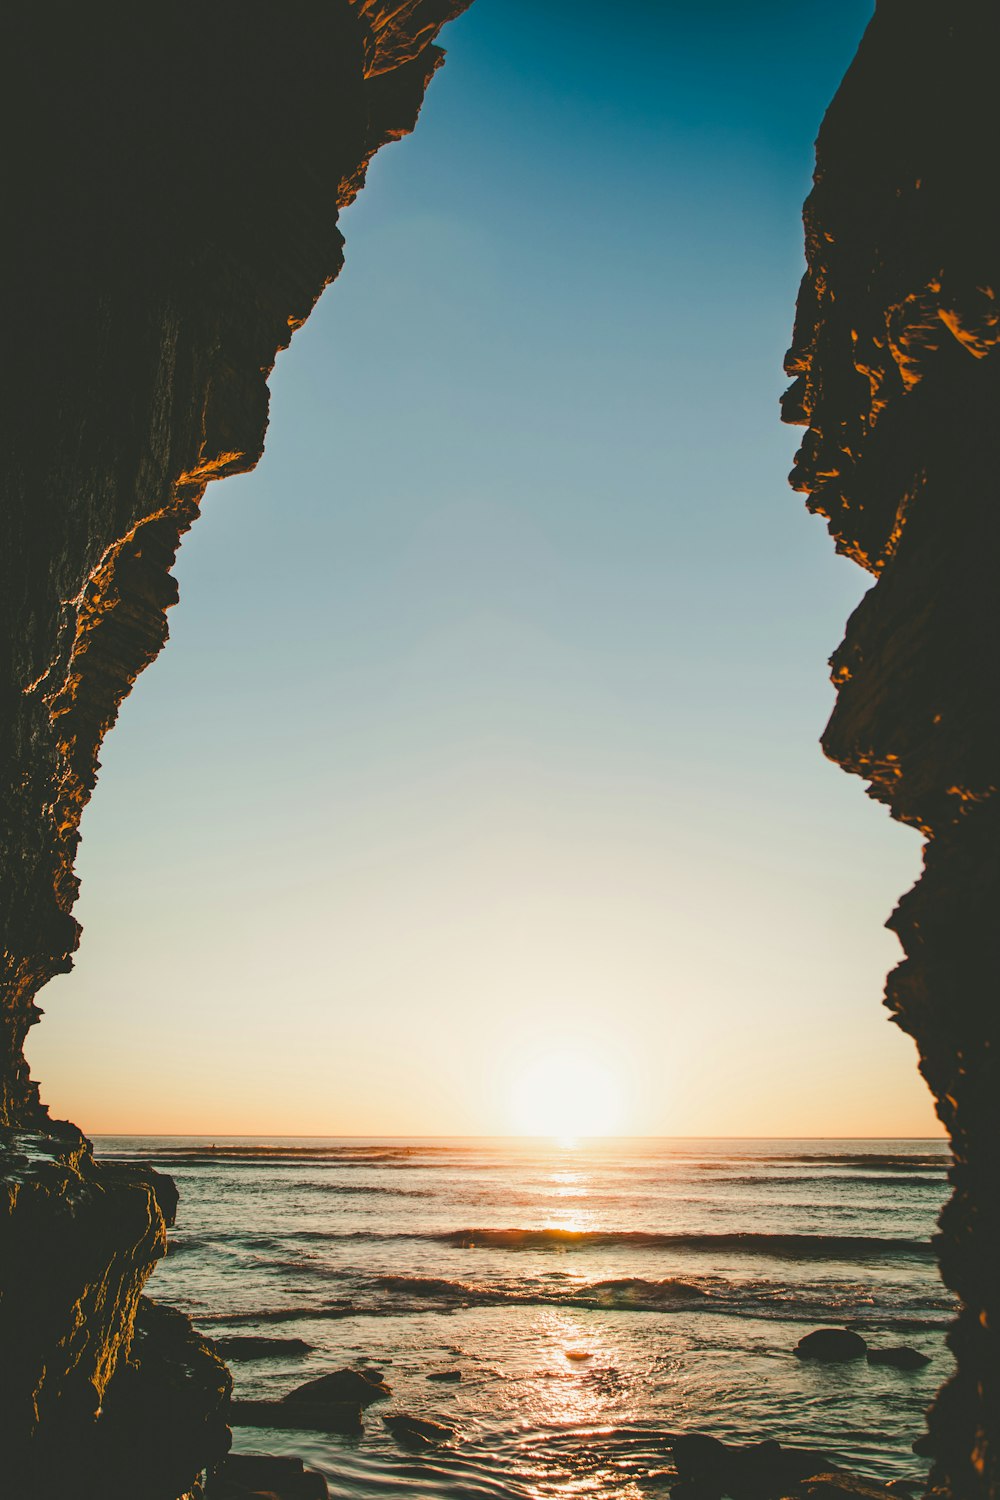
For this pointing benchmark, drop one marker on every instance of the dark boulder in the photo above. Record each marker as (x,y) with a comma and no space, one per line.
(831,1345)
(359,1387)
(299,1416)
(709,1469)
(251,1474)
(703,1462)
(901,1358)
(261,1348)
(417,1432)
(448,1376)
(842,1487)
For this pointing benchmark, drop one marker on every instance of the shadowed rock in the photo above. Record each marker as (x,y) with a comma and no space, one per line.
(896,379)
(843,1487)
(418,1432)
(247,1474)
(251,1347)
(831,1345)
(709,1469)
(360,1387)
(298,1416)
(174,204)
(901,1358)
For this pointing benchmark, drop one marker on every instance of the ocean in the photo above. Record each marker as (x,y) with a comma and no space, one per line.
(596,1297)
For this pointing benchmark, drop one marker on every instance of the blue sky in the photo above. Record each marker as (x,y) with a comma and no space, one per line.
(487,730)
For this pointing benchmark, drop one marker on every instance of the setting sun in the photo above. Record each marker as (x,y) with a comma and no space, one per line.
(566,1095)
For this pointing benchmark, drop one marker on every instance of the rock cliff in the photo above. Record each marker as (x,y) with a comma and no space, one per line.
(896,377)
(172,190)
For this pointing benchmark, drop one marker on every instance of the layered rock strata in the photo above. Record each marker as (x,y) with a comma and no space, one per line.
(172,185)
(897,377)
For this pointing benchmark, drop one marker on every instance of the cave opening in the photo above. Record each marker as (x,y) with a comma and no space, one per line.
(486,640)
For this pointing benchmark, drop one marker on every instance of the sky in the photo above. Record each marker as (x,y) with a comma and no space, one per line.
(478,790)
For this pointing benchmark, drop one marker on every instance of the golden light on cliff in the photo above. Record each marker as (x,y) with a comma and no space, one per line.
(565,1095)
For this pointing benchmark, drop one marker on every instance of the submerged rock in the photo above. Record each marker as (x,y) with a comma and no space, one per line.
(901,1358)
(843,1487)
(246,1474)
(418,1432)
(831,1345)
(703,1460)
(445,1375)
(261,1348)
(709,1469)
(358,1387)
(635,1291)
(298,1416)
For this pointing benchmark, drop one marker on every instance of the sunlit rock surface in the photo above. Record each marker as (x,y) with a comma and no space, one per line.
(172,182)
(897,379)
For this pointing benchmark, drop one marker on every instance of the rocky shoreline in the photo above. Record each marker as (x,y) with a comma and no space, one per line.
(706,1468)
(96,1378)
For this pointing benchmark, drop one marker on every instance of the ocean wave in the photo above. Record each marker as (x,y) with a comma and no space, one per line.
(395,1296)
(623,1292)
(363,1190)
(799,1247)
(671,1168)
(423,1294)
(423,1286)
(778,1246)
(901,1163)
(257,1159)
(925,1179)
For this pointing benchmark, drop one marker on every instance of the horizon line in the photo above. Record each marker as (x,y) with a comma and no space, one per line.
(185,1135)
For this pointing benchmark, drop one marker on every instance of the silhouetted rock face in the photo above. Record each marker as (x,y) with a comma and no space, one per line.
(101,1392)
(171,185)
(897,379)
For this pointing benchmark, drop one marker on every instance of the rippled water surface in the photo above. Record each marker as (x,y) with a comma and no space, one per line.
(595,1297)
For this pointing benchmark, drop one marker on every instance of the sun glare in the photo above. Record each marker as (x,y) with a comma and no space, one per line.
(566,1095)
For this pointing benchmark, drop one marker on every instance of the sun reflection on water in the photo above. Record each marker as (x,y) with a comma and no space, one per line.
(571,1396)
(569,1184)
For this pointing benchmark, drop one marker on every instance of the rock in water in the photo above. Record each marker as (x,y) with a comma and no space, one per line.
(709,1469)
(358,1387)
(842,1487)
(831,1346)
(261,1348)
(418,1432)
(255,1474)
(298,1416)
(703,1461)
(901,1358)
(452,1376)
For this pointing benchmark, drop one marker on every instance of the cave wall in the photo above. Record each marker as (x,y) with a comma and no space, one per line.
(172,190)
(174,186)
(172,182)
(896,378)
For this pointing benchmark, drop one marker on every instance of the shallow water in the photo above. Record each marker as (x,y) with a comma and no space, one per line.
(596,1297)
